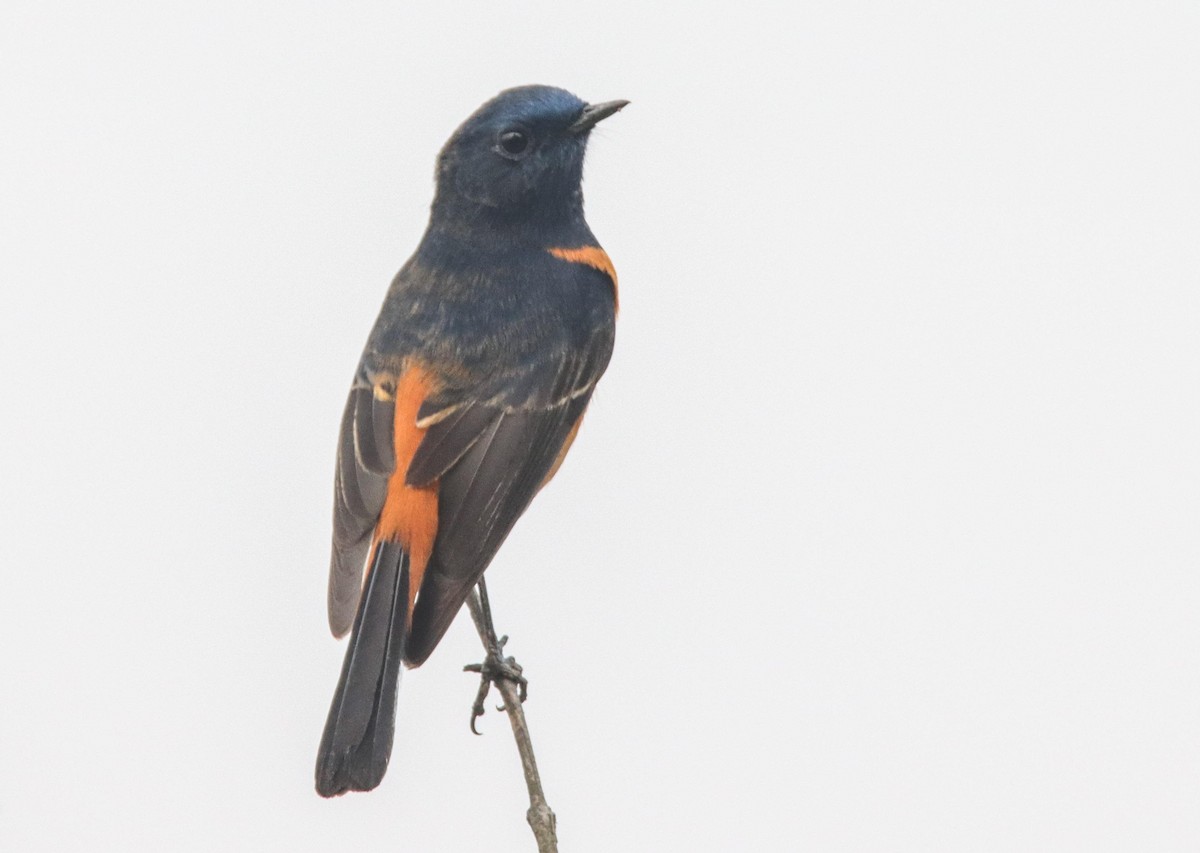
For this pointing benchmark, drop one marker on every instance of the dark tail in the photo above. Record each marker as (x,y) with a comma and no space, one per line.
(358,734)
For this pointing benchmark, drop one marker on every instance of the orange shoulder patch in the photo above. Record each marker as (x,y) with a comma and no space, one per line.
(594,257)
(410,514)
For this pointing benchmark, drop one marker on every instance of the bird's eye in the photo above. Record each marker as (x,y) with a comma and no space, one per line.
(514,142)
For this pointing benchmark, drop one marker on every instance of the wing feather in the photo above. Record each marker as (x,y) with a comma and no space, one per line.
(447,440)
(480,498)
(373,438)
(359,493)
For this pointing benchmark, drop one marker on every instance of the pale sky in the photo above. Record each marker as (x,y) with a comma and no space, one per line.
(882,532)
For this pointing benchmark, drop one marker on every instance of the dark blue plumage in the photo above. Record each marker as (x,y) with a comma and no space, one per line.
(468,395)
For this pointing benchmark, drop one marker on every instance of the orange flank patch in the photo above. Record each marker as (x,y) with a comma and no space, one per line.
(410,514)
(594,257)
(562,453)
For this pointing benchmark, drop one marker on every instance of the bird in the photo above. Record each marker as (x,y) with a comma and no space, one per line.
(470,391)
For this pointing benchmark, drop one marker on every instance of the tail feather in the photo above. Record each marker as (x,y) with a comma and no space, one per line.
(357,742)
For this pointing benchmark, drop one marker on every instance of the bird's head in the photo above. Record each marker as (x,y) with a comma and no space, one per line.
(519,157)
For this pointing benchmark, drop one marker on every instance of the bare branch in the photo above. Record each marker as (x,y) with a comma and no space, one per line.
(511,686)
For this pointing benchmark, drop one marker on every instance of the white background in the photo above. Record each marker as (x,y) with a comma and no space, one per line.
(884,527)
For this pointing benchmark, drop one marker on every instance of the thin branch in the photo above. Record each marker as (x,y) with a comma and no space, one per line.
(506,675)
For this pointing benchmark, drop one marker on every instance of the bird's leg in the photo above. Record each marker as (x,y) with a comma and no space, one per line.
(495,665)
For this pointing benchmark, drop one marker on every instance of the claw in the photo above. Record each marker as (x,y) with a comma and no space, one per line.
(495,667)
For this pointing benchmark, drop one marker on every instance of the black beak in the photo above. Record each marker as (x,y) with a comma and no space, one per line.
(594,113)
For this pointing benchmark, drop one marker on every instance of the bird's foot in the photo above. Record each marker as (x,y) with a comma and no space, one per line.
(495,667)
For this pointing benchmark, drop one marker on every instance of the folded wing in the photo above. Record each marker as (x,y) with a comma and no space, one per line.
(488,474)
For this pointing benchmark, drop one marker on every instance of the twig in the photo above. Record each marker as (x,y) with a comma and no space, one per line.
(506,675)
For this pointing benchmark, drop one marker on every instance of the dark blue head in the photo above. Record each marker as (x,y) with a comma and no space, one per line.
(519,157)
